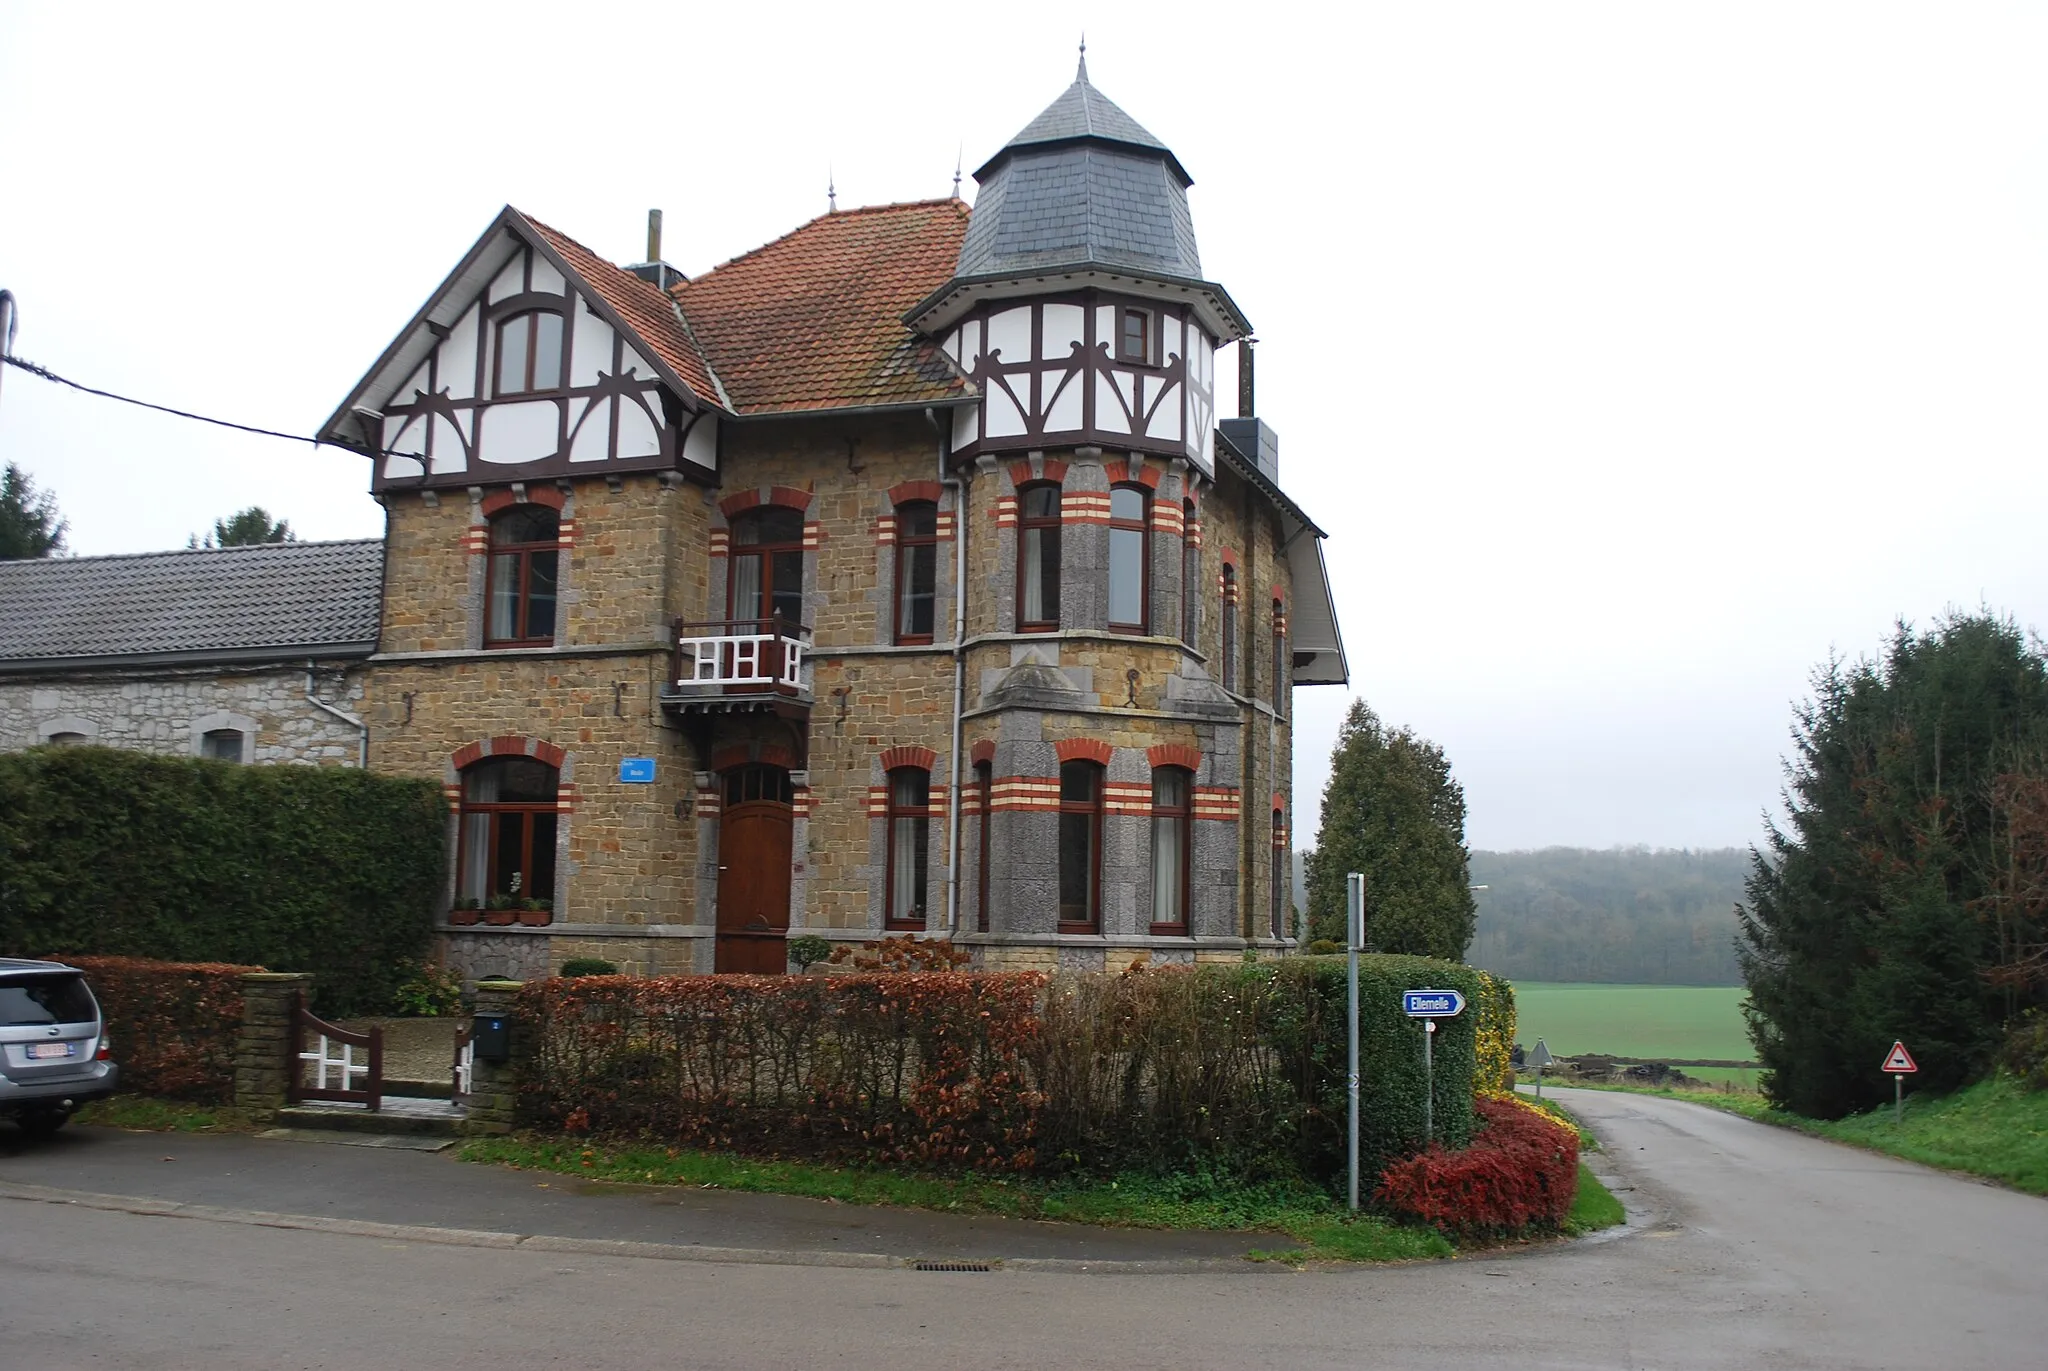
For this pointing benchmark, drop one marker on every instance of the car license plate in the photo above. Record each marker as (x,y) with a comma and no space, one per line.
(42,1052)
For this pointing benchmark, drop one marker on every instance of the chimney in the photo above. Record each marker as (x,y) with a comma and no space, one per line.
(1245,409)
(656,272)
(1248,434)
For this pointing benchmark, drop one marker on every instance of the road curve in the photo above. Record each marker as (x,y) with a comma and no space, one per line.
(1754,1247)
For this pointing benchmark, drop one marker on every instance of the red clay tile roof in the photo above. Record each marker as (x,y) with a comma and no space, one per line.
(641,305)
(814,320)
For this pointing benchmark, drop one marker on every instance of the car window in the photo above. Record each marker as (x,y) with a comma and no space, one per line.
(46,999)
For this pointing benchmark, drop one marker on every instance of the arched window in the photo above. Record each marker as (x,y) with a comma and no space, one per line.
(1278,896)
(525,553)
(917,570)
(1130,561)
(529,353)
(1080,844)
(1280,672)
(1229,627)
(767,557)
(985,783)
(1190,573)
(910,792)
(67,740)
(221,744)
(1172,844)
(1038,558)
(507,834)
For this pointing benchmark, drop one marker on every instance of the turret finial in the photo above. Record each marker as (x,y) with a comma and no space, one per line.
(1082,74)
(958,156)
(831,191)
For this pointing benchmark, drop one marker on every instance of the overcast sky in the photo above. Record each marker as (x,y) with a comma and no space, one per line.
(1635,356)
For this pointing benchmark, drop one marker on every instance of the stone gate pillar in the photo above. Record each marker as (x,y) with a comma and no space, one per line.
(263,1048)
(491,1094)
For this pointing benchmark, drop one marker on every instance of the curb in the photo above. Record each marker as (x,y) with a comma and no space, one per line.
(600,1247)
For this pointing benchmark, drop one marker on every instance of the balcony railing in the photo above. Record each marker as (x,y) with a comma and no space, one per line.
(740,656)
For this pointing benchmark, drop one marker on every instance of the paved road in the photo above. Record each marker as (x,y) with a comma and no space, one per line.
(1759,1248)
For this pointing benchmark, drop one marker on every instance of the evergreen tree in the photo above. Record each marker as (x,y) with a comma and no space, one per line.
(1392,811)
(1864,920)
(247,528)
(29,526)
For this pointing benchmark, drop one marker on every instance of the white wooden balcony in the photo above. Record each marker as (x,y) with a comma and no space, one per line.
(720,663)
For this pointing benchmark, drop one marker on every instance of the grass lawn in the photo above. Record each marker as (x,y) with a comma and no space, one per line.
(1655,1022)
(144,1114)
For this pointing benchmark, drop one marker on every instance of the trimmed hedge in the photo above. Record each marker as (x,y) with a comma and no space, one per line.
(1520,1171)
(172,1024)
(1233,1069)
(1495,1072)
(323,869)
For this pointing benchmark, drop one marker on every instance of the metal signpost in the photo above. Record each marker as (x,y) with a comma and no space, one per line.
(1899,1062)
(1429,1006)
(1354,940)
(1540,1057)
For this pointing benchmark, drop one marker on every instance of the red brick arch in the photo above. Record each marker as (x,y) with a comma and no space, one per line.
(788,497)
(905,492)
(923,758)
(740,754)
(500,500)
(1082,750)
(1175,754)
(508,745)
(983,751)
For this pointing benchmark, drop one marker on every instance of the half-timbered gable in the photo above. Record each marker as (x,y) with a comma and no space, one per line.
(535,359)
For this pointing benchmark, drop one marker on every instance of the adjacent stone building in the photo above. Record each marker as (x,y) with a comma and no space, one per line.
(243,654)
(896,576)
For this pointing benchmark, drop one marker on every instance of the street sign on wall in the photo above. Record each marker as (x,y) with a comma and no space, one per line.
(636,770)
(1432,1004)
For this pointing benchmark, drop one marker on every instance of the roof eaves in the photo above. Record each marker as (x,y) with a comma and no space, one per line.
(1248,469)
(944,294)
(284,654)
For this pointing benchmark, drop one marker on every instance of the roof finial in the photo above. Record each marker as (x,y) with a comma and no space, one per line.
(831,191)
(1082,74)
(958,156)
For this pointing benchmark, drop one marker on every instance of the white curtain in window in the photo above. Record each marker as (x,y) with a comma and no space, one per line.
(746,587)
(1034,576)
(1169,832)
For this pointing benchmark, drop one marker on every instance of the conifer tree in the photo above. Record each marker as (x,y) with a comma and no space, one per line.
(29,526)
(1392,812)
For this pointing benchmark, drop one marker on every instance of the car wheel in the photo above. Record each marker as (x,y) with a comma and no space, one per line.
(43,1123)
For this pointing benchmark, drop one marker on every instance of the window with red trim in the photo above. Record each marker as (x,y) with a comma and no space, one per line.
(985,782)
(1279,658)
(1172,847)
(1080,846)
(507,834)
(767,566)
(1038,558)
(909,842)
(1278,896)
(1134,336)
(1190,572)
(917,570)
(525,555)
(1130,561)
(1229,627)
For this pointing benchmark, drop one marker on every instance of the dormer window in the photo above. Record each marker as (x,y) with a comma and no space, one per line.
(1134,336)
(529,353)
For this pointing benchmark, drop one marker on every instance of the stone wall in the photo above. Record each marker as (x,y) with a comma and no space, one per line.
(169,712)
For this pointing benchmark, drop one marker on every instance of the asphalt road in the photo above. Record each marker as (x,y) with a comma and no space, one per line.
(1754,1248)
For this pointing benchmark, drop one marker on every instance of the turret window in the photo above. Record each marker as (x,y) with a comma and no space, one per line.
(1172,841)
(529,353)
(917,571)
(1130,570)
(1134,336)
(525,557)
(1080,846)
(1038,558)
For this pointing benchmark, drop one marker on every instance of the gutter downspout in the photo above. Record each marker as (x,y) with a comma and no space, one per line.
(960,521)
(363,744)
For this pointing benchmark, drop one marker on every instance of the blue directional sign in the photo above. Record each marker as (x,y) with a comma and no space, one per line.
(1432,1004)
(636,770)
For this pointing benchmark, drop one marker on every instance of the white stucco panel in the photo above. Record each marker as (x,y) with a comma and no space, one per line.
(1109,407)
(457,371)
(514,433)
(1166,418)
(1009,333)
(639,434)
(405,433)
(590,348)
(1064,413)
(966,425)
(633,364)
(414,386)
(509,282)
(448,451)
(701,446)
(1066,328)
(1005,420)
(590,430)
(546,278)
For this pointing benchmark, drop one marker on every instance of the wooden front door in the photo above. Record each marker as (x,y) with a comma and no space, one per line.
(754,831)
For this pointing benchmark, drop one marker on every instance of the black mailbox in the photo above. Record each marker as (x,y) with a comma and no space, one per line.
(490,1037)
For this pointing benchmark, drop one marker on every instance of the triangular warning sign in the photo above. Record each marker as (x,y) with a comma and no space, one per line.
(1900,1062)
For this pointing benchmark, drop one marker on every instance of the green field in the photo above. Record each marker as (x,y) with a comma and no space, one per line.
(1653,1022)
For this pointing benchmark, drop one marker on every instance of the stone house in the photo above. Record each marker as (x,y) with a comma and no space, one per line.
(895,576)
(244,654)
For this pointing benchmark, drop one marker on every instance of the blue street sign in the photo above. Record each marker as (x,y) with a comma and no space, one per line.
(1432,1004)
(636,770)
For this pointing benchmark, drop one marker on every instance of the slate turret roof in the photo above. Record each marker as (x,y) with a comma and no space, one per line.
(271,602)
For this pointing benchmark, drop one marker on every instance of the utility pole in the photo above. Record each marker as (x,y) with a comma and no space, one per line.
(1354,925)
(10,316)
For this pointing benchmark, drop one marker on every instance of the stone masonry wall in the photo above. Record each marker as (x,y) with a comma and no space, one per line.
(168,712)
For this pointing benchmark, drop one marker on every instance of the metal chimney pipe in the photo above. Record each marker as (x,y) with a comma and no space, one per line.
(654,235)
(1245,409)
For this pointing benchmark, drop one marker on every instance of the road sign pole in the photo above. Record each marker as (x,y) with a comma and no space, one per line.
(1898,1099)
(1428,1083)
(1354,927)
(1539,1082)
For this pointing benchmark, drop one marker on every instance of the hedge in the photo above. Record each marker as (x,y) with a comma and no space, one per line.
(1520,1171)
(1237,1068)
(328,870)
(172,1025)
(1495,1070)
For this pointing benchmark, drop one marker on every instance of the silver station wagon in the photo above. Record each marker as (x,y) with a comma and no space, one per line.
(54,1053)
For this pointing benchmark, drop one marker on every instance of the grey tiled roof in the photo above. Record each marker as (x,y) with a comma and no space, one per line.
(213,604)
(1082,184)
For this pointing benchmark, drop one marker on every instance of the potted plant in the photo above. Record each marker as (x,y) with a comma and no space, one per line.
(536,913)
(464,912)
(501,911)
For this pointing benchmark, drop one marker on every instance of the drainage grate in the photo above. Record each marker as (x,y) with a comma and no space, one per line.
(951,1266)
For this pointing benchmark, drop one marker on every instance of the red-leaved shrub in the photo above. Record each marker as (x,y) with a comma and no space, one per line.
(173,1024)
(922,1067)
(1520,1171)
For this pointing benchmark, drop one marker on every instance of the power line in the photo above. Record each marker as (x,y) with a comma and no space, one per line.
(48,375)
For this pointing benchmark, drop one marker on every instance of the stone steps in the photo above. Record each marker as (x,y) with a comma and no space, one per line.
(401,1116)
